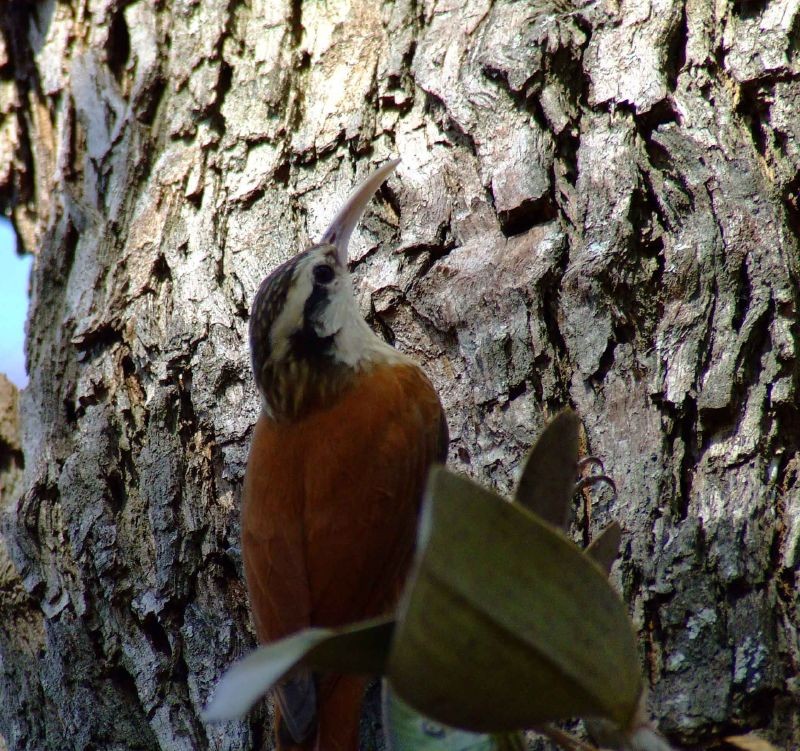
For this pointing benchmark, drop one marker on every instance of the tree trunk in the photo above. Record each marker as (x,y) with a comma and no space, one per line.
(596,206)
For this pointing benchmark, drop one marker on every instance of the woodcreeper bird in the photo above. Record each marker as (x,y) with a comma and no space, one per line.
(339,457)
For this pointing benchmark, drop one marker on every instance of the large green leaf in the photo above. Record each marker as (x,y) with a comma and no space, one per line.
(506,624)
(547,481)
(359,648)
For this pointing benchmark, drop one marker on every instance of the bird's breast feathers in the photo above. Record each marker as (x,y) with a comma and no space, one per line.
(341,489)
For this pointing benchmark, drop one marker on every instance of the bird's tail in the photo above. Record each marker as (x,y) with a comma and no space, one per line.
(338,711)
(296,703)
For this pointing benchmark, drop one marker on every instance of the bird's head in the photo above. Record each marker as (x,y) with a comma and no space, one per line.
(306,331)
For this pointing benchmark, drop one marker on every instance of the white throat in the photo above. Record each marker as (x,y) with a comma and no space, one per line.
(355,343)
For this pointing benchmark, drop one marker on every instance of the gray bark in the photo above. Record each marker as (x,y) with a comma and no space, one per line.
(596,206)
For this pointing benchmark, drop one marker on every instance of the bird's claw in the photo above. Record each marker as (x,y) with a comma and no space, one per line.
(592,462)
(588,480)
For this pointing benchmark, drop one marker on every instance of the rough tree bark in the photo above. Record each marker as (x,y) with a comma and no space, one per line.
(596,206)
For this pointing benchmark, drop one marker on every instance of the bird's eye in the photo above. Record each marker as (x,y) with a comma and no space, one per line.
(323,273)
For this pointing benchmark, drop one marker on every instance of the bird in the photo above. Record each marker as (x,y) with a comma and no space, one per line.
(348,429)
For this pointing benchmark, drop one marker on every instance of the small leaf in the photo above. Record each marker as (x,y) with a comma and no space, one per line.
(407,730)
(359,648)
(604,549)
(548,477)
(506,624)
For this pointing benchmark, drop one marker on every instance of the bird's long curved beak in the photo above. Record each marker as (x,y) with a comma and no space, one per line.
(340,229)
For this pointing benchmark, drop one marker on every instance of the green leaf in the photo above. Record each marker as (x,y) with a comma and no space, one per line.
(506,624)
(548,477)
(407,730)
(604,549)
(359,648)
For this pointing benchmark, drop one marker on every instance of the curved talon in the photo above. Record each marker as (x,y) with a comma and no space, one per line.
(592,462)
(589,480)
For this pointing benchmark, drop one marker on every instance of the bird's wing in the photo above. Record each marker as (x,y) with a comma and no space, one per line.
(273,538)
(273,550)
